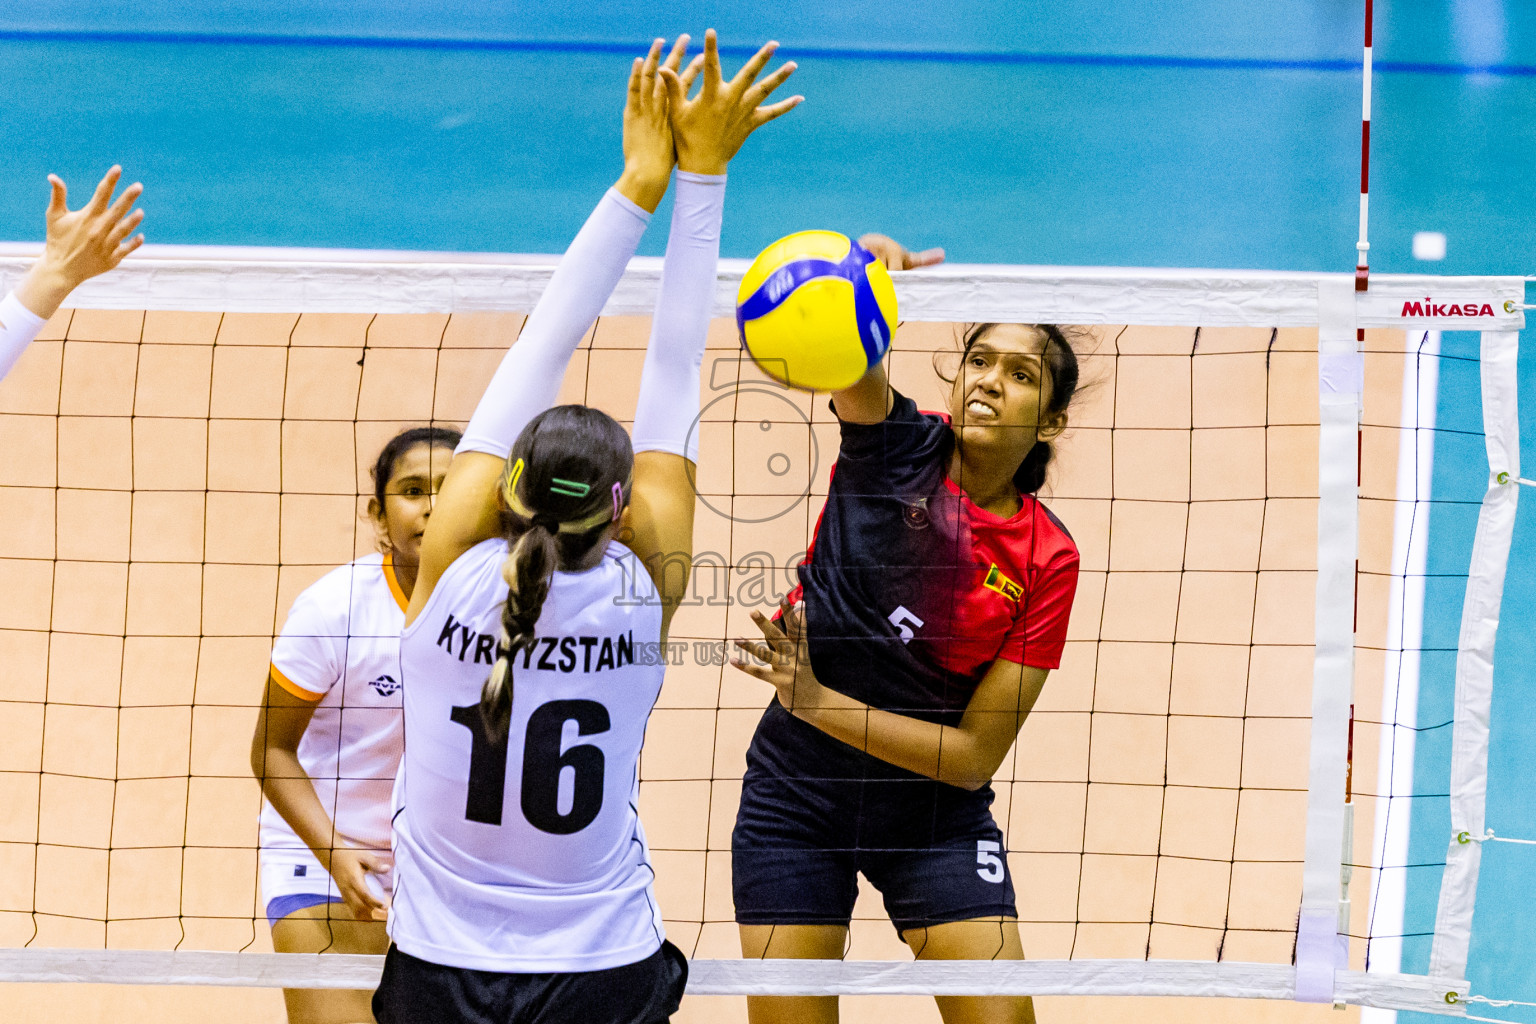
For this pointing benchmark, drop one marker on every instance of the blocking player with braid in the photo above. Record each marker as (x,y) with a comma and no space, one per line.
(931,609)
(544,577)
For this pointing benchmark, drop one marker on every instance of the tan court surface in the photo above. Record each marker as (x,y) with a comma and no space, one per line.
(174,480)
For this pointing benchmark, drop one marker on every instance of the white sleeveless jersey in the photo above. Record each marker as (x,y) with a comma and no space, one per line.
(340,648)
(528,857)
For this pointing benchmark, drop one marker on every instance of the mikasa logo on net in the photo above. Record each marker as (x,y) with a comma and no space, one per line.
(1429,307)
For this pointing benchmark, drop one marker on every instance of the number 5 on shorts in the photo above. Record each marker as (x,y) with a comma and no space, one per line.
(991,869)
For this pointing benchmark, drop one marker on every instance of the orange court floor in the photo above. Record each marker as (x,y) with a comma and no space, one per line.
(176,479)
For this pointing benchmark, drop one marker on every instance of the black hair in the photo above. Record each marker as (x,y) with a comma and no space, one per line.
(1060,358)
(384,465)
(571,458)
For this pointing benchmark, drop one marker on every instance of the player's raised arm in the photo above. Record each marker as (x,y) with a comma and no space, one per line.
(869,400)
(709,129)
(529,377)
(80,245)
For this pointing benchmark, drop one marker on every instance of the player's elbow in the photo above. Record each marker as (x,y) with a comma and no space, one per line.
(970,768)
(967,780)
(970,782)
(259,756)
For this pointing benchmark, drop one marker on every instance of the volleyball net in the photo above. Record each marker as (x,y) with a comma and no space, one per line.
(1212,797)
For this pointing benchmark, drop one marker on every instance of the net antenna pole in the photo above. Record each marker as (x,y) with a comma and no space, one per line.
(1322,931)
(1363,246)
(1362,284)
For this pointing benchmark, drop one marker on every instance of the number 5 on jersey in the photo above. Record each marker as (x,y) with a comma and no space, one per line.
(543,765)
(904,621)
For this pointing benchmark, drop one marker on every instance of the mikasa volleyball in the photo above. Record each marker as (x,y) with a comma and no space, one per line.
(816,310)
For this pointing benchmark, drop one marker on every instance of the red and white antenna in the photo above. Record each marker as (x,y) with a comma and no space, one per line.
(1363,247)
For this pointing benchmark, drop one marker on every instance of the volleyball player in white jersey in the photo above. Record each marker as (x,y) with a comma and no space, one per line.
(530,657)
(80,245)
(328,737)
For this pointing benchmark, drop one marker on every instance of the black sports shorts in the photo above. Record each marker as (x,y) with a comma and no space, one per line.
(933,850)
(415,991)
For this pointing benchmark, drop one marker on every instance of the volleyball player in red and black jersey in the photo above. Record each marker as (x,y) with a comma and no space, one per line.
(931,609)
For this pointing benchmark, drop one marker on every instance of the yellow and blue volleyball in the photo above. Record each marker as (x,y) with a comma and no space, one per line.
(816,310)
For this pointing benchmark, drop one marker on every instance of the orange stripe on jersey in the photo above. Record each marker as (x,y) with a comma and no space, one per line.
(394,584)
(294,688)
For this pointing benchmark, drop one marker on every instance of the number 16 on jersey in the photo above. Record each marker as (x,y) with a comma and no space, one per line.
(544,766)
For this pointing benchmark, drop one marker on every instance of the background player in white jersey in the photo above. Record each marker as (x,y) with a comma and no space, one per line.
(81,244)
(328,738)
(523,887)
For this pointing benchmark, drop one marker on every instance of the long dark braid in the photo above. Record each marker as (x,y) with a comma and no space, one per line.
(567,478)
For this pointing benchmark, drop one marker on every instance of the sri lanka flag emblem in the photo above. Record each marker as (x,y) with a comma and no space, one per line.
(1002,584)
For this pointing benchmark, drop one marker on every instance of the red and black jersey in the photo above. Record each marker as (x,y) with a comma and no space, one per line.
(911,590)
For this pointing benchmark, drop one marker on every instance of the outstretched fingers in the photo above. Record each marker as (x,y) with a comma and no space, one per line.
(761,91)
(104,190)
(759,650)
(896,256)
(777,644)
(641,72)
(124,249)
(763,115)
(677,92)
(646,88)
(652,59)
(691,73)
(926,258)
(634,80)
(710,128)
(124,227)
(753,67)
(712,79)
(58,199)
(125,202)
(659,91)
(674,59)
(770,659)
(752,666)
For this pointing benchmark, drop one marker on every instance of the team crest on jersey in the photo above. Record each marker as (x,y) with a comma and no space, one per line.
(915,514)
(385,686)
(997,581)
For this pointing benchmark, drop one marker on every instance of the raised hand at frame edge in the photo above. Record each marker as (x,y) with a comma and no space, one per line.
(81,243)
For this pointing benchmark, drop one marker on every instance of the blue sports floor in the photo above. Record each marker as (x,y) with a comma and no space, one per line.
(1217,133)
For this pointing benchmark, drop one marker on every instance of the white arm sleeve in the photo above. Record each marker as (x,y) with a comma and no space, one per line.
(18,326)
(529,377)
(669,384)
